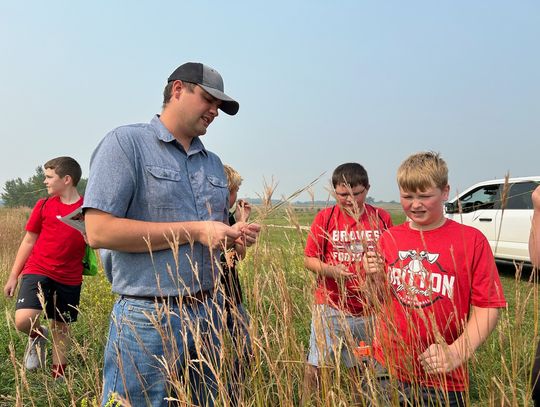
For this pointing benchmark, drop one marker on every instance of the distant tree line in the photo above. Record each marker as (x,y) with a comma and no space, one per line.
(19,193)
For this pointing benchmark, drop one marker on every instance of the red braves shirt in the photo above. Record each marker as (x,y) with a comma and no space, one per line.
(59,248)
(337,237)
(434,278)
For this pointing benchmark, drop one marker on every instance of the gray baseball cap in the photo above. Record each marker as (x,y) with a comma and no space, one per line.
(209,79)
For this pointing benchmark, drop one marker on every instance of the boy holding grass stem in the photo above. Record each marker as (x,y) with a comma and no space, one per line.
(50,262)
(237,319)
(445,294)
(345,297)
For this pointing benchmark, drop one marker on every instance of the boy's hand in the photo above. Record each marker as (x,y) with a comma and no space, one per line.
(11,286)
(337,271)
(243,210)
(373,263)
(439,359)
(248,233)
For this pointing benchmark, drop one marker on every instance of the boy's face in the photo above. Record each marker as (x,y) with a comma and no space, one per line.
(424,208)
(55,185)
(350,197)
(233,194)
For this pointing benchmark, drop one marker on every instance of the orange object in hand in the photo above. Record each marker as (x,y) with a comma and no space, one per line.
(362,350)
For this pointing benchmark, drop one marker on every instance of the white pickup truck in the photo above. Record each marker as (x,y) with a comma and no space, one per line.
(502,211)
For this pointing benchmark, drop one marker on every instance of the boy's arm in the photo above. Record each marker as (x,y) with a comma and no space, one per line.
(239,245)
(27,244)
(534,238)
(442,358)
(321,268)
(104,230)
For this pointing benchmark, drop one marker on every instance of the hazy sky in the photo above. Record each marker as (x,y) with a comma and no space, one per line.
(319,83)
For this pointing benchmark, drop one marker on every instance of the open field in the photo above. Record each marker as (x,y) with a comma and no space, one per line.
(278,293)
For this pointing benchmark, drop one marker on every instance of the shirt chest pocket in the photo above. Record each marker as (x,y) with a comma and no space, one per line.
(166,187)
(217,194)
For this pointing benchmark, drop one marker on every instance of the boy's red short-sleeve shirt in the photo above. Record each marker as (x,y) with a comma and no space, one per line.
(434,278)
(59,248)
(335,238)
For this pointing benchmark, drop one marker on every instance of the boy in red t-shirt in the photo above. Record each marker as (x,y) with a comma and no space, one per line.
(445,293)
(345,298)
(50,262)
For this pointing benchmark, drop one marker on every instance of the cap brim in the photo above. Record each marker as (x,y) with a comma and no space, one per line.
(228,105)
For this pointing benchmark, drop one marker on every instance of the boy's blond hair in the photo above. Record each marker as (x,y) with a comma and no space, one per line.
(233,177)
(421,171)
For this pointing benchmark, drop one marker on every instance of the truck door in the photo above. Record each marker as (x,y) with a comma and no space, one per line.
(514,224)
(480,209)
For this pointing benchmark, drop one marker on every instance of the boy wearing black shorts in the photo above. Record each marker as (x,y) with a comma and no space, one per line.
(49,260)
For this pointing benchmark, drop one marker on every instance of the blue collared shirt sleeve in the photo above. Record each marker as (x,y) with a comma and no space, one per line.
(112,184)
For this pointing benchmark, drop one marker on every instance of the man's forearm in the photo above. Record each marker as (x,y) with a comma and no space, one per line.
(106,231)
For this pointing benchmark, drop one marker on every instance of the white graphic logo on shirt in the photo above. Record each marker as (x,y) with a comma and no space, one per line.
(348,245)
(416,285)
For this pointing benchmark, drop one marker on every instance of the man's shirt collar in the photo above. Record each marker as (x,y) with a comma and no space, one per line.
(166,136)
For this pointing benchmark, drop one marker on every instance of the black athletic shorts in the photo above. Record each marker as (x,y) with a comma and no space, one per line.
(61,300)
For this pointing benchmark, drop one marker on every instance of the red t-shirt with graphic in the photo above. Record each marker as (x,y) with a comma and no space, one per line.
(337,237)
(59,248)
(434,277)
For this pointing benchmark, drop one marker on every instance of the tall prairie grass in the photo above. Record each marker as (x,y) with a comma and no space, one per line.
(278,296)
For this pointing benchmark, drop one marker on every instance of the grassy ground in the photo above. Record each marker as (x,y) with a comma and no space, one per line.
(278,293)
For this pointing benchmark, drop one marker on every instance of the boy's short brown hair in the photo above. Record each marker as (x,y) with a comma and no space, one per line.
(65,166)
(351,174)
(234,180)
(421,171)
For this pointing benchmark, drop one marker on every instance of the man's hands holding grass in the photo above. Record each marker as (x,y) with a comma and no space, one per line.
(218,235)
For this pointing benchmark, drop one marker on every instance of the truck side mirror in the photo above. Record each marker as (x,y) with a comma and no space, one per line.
(451,207)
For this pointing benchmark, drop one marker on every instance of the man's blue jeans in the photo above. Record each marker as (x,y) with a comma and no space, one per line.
(155,349)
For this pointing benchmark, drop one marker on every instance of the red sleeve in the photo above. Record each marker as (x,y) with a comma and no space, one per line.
(34,222)
(318,236)
(486,289)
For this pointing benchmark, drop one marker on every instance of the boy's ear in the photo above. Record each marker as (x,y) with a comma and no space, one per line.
(446,192)
(68,180)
